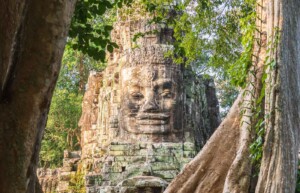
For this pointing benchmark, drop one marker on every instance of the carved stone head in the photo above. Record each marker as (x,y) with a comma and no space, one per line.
(150,98)
(150,93)
(143,95)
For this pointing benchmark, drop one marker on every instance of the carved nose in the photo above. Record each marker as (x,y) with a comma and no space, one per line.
(150,105)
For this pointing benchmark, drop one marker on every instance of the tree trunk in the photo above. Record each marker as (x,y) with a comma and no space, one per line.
(33,35)
(223,165)
(278,170)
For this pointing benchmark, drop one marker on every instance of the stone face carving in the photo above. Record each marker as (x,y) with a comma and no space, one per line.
(143,117)
(150,99)
(153,115)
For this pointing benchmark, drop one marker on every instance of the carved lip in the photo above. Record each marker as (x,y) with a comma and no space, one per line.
(152,119)
(154,116)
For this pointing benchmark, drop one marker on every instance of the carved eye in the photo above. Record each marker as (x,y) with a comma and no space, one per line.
(166,94)
(137,95)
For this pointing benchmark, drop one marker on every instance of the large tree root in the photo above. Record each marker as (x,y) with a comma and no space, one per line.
(208,170)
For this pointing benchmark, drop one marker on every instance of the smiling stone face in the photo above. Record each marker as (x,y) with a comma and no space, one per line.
(150,99)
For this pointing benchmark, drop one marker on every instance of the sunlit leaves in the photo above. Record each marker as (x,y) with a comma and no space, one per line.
(90,29)
(213,29)
(61,132)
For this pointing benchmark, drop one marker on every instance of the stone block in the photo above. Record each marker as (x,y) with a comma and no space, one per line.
(123,158)
(119,147)
(166,174)
(162,151)
(120,164)
(142,184)
(189,146)
(138,159)
(91,190)
(127,190)
(162,158)
(142,145)
(75,154)
(62,186)
(178,153)
(119,143)
(162,166)
(105,168)
(93,179)
(65,176)
(149,181)
(67,163)
(66,169)
(172,145)
(142,152)
(116,167)
(189,154)
(118,153)
(107,189)
(157,145)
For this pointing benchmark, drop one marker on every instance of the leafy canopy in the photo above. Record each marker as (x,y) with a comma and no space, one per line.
(211,34)
(91,26)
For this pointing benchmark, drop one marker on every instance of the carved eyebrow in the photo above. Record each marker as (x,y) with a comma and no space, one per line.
(134,87)
(163,82)
(134,83)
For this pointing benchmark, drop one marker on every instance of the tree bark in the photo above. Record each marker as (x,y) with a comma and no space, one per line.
(208,170)
(33,35)
(223,165)
(278,171)
(239,176)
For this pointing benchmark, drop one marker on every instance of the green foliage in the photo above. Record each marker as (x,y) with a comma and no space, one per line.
(226,94)
(76,68)
(220,31)
(90,27)
(239,70)
(89,32)
(258,126)
(256,148)
(62,131)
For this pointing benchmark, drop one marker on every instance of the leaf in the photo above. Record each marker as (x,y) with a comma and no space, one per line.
(105,33)
(273,64)
(100,42)
(101,9)
(108,28)
(119,4)
(114,45)
(110,48)
(105,3)
(100,55)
